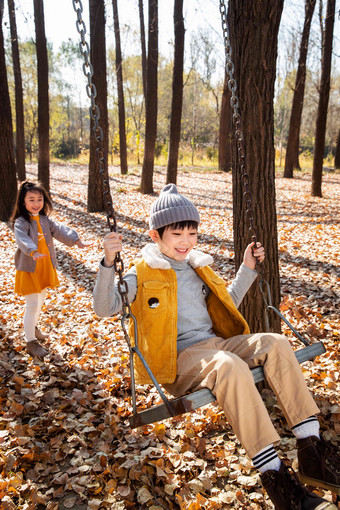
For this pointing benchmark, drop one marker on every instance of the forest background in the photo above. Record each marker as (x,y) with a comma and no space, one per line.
(203,82)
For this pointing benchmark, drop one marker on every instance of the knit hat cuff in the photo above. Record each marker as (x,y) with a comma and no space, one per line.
(171,215)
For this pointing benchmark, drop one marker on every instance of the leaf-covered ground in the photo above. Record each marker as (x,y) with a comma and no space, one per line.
(64,435)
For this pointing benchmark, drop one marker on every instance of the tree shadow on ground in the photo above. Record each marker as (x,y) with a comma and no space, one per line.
(56,408)
(53,406)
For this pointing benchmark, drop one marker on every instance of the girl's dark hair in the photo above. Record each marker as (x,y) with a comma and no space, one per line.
(181,225)
(20,209)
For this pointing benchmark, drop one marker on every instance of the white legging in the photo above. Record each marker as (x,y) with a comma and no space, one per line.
(34,303)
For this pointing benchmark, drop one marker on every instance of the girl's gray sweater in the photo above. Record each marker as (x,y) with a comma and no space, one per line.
(26,236)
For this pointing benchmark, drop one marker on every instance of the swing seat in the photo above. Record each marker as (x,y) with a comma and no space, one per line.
(205,396)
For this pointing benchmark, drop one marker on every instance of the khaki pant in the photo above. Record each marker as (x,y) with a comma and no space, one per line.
(224,366)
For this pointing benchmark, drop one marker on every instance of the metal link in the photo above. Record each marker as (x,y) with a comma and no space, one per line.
(234,102)
(99,136)
(88,75)
(94,110)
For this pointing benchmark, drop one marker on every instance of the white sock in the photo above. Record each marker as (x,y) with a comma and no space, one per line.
(307,428)
(266,459)
(34,303)
(31,315)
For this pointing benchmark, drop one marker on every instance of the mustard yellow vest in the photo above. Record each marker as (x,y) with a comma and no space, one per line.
(155,309)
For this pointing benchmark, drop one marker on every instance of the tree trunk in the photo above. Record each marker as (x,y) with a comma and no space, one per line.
(325,84)
(151,100)
(292,151)
(95,199)
(254,26)
(121,105)
(225,129)
(8,181)
(143,45)
(177,93)
(337,152)
(43,101)
(19,105)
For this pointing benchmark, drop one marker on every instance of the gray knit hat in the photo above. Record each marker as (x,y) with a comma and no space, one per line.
(171,207)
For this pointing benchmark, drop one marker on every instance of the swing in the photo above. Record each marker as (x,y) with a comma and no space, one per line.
(176,406)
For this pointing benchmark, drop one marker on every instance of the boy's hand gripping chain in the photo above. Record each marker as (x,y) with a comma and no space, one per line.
(110,213)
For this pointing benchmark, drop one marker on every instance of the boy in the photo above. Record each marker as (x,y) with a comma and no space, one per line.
(193,336)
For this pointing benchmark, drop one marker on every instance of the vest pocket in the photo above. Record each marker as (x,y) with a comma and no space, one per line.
(155,297)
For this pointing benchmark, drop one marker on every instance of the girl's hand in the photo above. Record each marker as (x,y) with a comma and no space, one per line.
(112,245)
(84,244)
(252,254)
(36,255)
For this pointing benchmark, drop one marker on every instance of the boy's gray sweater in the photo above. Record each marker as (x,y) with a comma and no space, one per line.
(193,321)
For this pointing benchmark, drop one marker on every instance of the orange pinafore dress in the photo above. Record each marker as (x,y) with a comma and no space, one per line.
(45,275)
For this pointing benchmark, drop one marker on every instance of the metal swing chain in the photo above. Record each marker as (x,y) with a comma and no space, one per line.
(94,113)
(98,133)
(232,85)
(110,212)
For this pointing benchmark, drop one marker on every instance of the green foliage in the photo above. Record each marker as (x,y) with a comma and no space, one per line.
(65,149)
(212,153)
(69,54)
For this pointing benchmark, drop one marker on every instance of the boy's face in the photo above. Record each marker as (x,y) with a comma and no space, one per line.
(175,243)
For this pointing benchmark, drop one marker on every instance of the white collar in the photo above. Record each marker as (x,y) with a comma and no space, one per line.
(154,259)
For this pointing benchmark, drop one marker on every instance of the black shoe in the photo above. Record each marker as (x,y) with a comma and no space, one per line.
(319,463)
(286,492)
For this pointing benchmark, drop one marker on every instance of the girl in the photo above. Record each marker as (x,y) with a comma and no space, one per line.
(35,258)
